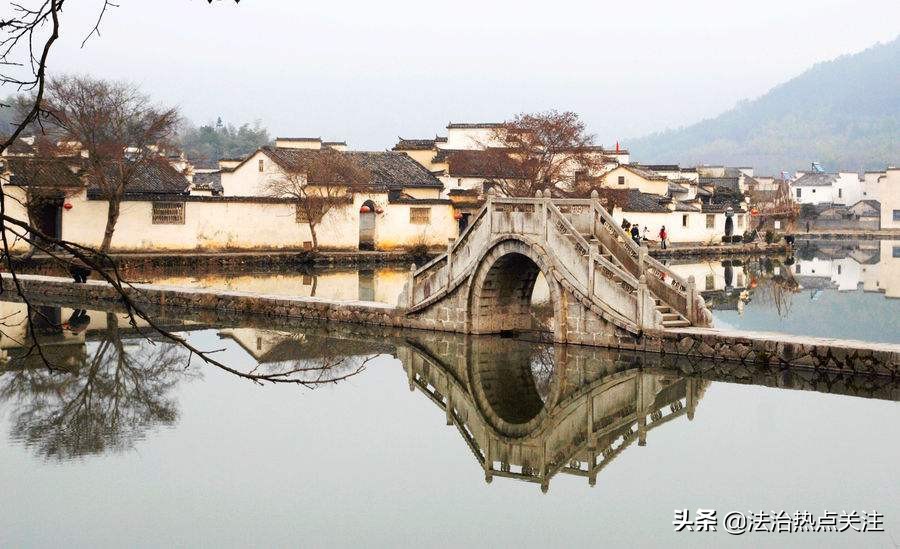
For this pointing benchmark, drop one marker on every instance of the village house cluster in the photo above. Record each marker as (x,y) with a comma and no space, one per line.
(850,200)
(420,194)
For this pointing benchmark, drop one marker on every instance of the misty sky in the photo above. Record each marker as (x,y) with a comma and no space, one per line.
(368,71)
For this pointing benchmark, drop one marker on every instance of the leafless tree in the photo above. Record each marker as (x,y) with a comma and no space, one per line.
(548,150)
(27,37)
(318,182)
(118,127)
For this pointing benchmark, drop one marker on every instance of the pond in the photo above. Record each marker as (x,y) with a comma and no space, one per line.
(842,289)
(416,438)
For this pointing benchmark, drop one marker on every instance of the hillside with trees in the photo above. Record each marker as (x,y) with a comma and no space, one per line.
(210,142)
(843,113)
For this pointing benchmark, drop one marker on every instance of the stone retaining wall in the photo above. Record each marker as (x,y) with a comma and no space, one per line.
(780,350)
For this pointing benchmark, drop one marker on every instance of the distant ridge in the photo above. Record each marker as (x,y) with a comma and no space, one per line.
(844,113)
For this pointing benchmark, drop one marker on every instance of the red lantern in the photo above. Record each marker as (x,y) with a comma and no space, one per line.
(754,212)
(457,216)
(365,209)
(67,205)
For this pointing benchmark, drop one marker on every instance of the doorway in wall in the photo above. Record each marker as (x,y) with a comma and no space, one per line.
(367,226)
(46,215)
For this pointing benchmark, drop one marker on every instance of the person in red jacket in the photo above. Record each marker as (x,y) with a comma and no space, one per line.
(663,237)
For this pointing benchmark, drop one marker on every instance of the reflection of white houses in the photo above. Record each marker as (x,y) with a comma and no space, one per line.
(873,266)
(713,276)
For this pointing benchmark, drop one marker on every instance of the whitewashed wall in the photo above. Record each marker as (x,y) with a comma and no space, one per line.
(247,225)
(696,230)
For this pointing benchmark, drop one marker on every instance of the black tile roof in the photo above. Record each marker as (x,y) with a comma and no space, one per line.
(642,171)
(19,146)
(489,163)
(661,167)
(208,181)
(474,125)
(155,176)
(633,200)
(33,172)
(389,169)
(815,179)
(414,145)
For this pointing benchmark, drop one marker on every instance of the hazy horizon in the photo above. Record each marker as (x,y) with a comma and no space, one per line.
(367,73)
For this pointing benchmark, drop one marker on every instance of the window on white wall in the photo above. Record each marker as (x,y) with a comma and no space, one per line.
(262,165)
(420,216)
(621,180)
(798,192)
(840,193)
(896,215)
(710,221)
(168,213)
(684,220)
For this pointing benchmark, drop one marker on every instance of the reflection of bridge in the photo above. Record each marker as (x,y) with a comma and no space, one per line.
(529,415)
(604,288)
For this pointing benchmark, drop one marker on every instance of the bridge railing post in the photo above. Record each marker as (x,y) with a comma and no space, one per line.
(411,287)
(641,301)
(642,259)
(544,215)
(449,263)
(593,253)
(691,297)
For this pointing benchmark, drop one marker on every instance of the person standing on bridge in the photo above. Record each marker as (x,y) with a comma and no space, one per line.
(636,234)
(663,237)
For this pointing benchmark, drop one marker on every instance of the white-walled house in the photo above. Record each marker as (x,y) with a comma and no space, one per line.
(401,207)
(685,222)
(845,188)
(888,191)
(813,188)
(627,176)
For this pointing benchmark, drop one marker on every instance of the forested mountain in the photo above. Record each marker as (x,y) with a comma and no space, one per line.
(208,143)
(844,113)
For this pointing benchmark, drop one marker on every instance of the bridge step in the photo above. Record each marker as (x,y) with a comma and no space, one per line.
(676,323)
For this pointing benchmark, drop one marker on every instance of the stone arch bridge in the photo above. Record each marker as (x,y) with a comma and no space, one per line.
(604,289)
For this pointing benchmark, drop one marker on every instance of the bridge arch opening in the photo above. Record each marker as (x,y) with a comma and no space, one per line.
(514,383)
(511,293)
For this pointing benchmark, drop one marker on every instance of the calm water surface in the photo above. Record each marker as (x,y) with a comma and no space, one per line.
(134,446)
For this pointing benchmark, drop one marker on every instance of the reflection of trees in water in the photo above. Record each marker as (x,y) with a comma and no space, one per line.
(111,396)
(774,290)
(542,369)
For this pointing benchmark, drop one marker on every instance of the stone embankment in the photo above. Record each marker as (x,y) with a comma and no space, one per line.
(750,348)
(300,259)
(719,250)
(247,260)
(881,234)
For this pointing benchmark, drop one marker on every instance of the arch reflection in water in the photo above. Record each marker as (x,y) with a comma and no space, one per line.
(530,412)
